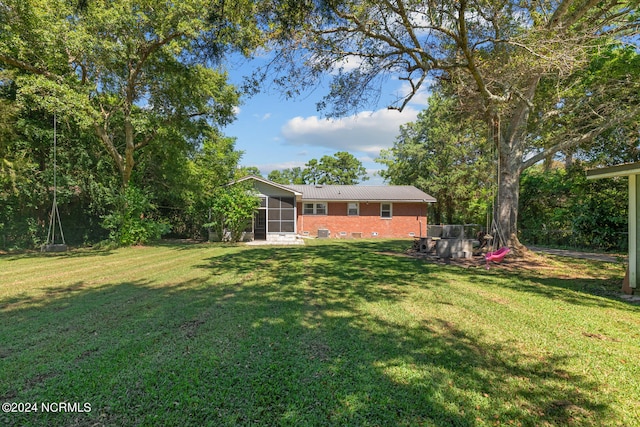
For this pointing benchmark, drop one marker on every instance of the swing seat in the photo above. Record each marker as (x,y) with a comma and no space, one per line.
(496,256)
(59,247)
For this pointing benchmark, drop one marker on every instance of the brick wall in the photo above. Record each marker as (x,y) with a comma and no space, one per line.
(406,218)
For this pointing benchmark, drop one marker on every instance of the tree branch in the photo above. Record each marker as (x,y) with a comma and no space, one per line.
(30,68)
(577,140)
(108,144)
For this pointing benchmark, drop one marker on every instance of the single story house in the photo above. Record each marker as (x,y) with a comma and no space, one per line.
(343,211)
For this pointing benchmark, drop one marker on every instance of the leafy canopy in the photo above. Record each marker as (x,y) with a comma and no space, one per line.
(129,69)
(342,168)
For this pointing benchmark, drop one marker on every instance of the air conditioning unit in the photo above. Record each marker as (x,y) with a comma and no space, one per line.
(323,233)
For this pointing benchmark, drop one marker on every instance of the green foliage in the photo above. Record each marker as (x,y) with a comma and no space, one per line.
(127,71)
(136,88)
(340,169)
(181,180)
(232,211)
(212,167)
(444,153)
(84,177)
(132,222)
(561,207)
(243,171)
(287,176)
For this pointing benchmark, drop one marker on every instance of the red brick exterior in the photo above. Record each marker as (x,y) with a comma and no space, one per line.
(406,218)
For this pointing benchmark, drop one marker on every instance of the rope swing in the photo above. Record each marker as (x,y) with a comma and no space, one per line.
(497,236)
(54,217)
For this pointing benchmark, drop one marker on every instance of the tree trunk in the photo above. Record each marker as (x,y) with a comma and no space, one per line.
(506,208)
(124,164)
(113,152)
(437,213)
(449,209)
(510,167)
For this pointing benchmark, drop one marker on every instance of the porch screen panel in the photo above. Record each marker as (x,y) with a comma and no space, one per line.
(281,214)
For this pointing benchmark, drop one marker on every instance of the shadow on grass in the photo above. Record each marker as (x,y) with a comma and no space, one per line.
(283,340)
(72,253)
(587,292)
(102,250)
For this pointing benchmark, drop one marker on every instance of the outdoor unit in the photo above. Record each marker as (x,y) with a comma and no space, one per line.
(323,233)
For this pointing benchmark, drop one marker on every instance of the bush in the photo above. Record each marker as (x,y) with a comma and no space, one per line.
(132,223)
(232,211)
(561,207)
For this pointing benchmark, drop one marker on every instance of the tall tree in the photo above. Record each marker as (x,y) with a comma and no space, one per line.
(342,169)
(287,176)
(311,174)
(500,56)
(445,153)
(125,69)
(243,171)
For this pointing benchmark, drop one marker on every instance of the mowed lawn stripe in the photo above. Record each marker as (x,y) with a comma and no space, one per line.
(45,269)
(124,264)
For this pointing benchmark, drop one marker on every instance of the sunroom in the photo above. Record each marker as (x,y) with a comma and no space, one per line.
(275,219)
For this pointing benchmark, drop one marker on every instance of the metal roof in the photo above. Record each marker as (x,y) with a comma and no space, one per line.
(362,193)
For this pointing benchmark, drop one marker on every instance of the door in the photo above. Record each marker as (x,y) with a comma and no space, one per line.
(260,225)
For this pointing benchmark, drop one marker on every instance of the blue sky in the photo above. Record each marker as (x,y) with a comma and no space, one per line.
(277,133)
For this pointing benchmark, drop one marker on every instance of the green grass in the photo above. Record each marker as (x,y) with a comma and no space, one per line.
(333,333)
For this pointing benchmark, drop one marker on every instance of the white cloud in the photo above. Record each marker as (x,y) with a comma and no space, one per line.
(268,167)
(348,63)
(366,132)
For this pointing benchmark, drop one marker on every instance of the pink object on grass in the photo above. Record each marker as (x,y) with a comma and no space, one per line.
(496,256)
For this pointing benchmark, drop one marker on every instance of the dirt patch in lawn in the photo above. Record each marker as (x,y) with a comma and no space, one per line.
(529,261)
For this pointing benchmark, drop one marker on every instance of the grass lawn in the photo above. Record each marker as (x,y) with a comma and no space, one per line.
(332,333)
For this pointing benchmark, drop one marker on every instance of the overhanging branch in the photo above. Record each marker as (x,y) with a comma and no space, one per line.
(25,66)
(580,139)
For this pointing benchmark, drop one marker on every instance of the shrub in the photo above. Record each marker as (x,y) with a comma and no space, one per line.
(132,222)
(232,211)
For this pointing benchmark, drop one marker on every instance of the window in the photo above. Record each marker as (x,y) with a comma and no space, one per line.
(281,214)
(314,209)
(353,209)
(385,210)
(307,209)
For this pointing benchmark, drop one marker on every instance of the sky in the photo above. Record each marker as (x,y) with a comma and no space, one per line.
(278,133)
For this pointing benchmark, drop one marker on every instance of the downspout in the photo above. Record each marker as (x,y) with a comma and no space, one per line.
(301,217)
